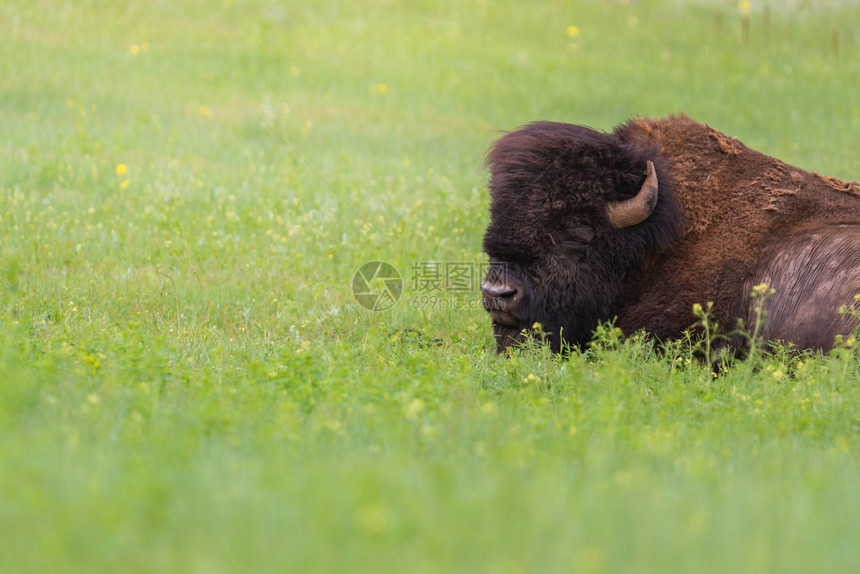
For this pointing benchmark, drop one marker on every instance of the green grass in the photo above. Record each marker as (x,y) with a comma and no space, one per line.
(187,384)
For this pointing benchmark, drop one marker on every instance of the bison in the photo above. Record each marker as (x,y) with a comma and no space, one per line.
(640,224)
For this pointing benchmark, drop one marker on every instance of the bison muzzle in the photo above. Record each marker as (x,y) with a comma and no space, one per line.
(640,224)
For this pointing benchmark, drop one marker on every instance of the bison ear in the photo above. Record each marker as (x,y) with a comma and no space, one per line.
(638,208)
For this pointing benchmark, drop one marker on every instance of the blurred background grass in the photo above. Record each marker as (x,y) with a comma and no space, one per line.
(188,385)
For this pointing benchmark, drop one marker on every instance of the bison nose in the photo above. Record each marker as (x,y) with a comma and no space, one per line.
(500,298)
(498,291)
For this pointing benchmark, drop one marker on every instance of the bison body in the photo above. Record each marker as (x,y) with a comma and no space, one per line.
(642,223)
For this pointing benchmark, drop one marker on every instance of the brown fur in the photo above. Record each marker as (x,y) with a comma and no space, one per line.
(809,274)
(739,204)
(728,217)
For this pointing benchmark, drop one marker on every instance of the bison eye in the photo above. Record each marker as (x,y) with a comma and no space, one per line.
(573,249)
(573,242)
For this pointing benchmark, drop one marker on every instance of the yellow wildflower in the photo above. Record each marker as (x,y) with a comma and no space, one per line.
(121,169)
(413,408)
(379,89)
(762,290)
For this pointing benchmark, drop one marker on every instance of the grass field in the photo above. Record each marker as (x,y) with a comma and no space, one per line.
(188,385)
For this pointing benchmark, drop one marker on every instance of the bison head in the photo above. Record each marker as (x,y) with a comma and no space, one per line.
(574,215)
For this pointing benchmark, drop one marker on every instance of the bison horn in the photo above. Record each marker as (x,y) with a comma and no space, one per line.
(638,208)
